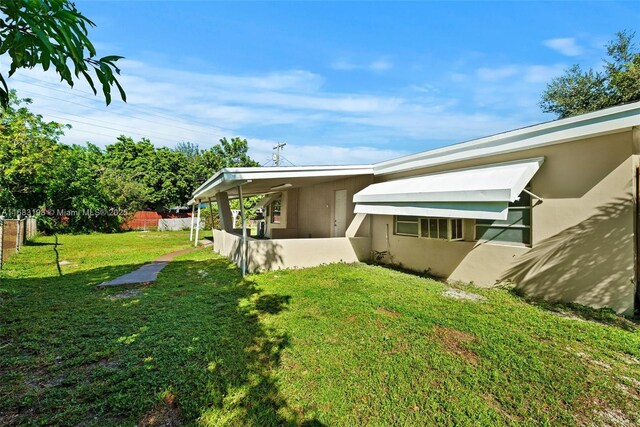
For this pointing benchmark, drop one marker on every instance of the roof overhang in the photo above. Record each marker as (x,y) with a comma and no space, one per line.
(602,122)
(482,192)
(264,180)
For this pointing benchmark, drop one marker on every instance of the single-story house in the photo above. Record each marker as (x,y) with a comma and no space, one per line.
(552,208)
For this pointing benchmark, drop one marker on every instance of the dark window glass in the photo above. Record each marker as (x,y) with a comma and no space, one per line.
(515,229)
(410,228)
(504,234)
(276,205)
(443,229)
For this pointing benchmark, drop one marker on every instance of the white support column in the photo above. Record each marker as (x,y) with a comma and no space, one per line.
(193,218)
(244,234)
(197,225)
(355,225)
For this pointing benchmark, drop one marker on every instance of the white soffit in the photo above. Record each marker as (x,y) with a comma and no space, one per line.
(481,193)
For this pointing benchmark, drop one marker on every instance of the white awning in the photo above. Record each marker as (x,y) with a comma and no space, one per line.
(482,193)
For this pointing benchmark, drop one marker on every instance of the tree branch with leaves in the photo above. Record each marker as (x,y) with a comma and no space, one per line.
(53,33)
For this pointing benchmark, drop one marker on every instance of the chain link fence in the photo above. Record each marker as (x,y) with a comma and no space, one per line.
(14,233)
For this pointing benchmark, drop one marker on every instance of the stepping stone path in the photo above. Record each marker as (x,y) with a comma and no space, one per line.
(148,273)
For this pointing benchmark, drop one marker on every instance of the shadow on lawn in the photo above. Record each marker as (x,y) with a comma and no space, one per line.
(190,348)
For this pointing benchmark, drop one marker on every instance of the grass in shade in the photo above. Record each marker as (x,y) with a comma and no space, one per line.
(334,345)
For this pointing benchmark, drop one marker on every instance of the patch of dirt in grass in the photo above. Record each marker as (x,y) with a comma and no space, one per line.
(129,293)
(166,414)
(400,347)
(615,418)
(593,361)
(454,340)
(8,419)
(491,400)
(387,312)
(178,293)
(39,379)
(598,412)
(458,294)
(629,360)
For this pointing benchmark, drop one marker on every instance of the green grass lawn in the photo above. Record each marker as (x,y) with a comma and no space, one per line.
(333,345)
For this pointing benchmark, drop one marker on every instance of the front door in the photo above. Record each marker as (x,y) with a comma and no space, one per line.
(340,213)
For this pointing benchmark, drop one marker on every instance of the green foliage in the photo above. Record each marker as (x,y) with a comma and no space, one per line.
(28,149)
(99,188)
(579,91)
(53,33)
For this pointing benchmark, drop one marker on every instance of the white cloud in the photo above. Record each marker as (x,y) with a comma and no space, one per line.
(543,73)
(566,46)
(319,125)
(495,74)
(298,154)
(380,64)
(344,65)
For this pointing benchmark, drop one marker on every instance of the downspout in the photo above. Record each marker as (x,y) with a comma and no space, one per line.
(197,224)
(243,251)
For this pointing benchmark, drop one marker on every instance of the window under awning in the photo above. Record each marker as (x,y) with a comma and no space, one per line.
(481,193)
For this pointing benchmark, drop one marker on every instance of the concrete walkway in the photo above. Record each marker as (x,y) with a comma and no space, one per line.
(148,273)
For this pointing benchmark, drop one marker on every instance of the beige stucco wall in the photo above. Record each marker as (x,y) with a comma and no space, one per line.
(265,255)
(582,234)
(310,210)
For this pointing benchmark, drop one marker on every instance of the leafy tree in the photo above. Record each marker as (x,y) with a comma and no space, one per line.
(76,187)
(53,33)
(37,172)
(28,148)
(579,91)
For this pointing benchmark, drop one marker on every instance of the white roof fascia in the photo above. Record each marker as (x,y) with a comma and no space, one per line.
(245,174)
(268,173)
(593,124)
(500,182)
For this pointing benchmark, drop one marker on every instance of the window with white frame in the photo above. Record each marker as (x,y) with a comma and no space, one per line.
(515,229)
(429,228)
(275,209)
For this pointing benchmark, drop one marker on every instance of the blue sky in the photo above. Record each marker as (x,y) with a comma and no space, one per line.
(340,82)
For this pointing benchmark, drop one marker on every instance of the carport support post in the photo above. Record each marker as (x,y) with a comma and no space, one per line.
(243,262)
(197,225)
(193,218)
(211,217)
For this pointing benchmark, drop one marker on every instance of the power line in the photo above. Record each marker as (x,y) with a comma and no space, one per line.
(104,127)
(147,112)
(92,107)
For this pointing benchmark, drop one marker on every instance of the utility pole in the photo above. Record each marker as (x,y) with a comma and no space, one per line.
(276,153)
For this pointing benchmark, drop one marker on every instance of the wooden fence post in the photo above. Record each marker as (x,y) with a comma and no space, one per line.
(17,233)
(1,240)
